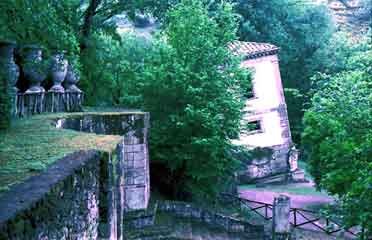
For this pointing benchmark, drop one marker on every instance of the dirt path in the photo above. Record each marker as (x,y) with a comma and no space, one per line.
(309,202)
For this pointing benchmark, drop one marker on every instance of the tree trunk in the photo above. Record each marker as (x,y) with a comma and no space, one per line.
(88,22)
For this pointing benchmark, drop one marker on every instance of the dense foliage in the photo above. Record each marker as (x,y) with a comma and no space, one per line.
(192,87)
(37,22)
(4,103)
(338,137)
(112,68)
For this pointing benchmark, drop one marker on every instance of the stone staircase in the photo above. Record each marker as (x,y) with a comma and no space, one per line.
(181,221)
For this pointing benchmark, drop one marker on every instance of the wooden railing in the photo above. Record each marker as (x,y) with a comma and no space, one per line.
(298,217)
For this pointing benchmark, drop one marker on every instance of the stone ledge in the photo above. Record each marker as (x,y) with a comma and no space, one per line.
(24,195)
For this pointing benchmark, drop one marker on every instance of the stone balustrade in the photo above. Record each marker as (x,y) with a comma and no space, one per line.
(27,75)
(34,103)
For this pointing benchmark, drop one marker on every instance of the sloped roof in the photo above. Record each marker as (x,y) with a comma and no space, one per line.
(251,50)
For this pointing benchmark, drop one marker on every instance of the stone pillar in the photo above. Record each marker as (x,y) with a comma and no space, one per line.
(281,216)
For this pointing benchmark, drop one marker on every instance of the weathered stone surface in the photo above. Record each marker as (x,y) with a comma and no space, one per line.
(298,176)
(267,110)
(86,194)
(271,163)
(72,78)
(128,175)
(229,224)
(39,102)
(9,70)
(58,71)
(33,68)
(140,219)
(281,214)
(61,203)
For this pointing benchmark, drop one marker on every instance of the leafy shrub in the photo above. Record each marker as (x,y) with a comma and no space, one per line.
(338,137)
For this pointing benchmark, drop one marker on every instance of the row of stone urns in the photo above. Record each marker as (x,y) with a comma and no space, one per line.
(36,70)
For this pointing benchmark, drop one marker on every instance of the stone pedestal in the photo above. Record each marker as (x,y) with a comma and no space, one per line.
(281,216)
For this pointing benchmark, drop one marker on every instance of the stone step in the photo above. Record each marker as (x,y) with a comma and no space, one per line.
(140,219)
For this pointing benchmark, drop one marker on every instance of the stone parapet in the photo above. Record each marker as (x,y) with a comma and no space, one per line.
(84,195)
(61,203)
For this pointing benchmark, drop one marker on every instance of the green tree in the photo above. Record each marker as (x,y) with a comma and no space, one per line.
(191,85)
(36,22)
(338,137)
(74,25)
(112,68)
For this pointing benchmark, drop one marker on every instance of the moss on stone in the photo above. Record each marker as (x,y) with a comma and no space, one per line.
(32,144)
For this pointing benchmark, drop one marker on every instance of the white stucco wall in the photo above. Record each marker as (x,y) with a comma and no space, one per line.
(268,91)
(272,132)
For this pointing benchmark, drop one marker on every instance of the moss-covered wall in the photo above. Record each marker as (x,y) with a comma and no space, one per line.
(131,174)
(61,203)
(83,195)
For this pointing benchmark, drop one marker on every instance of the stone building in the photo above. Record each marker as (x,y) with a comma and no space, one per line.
(265,122)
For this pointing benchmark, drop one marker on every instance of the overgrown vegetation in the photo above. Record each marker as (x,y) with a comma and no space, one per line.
(191,85)
(338,137)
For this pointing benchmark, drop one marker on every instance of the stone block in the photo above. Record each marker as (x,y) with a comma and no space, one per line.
(298,176)
(135,197)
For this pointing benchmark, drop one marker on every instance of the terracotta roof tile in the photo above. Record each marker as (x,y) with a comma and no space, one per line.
(252,49)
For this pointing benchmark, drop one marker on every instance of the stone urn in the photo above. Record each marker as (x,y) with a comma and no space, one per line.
(8,68)
(33,68)
(58,71)
(72,78)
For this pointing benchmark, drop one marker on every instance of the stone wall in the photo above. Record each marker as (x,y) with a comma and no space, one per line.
(132,167)
(61,203)
(266,162)
(229,224)
(86,194)
(268,111)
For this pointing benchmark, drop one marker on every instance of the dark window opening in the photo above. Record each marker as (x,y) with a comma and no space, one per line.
(253,127)
(249,93)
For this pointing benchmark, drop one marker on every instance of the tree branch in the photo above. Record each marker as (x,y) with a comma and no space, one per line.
(88,22)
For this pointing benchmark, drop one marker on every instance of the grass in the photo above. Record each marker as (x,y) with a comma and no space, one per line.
(292,189)
(32,144)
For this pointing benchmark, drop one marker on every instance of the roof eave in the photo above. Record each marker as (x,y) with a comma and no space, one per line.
(260,54)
